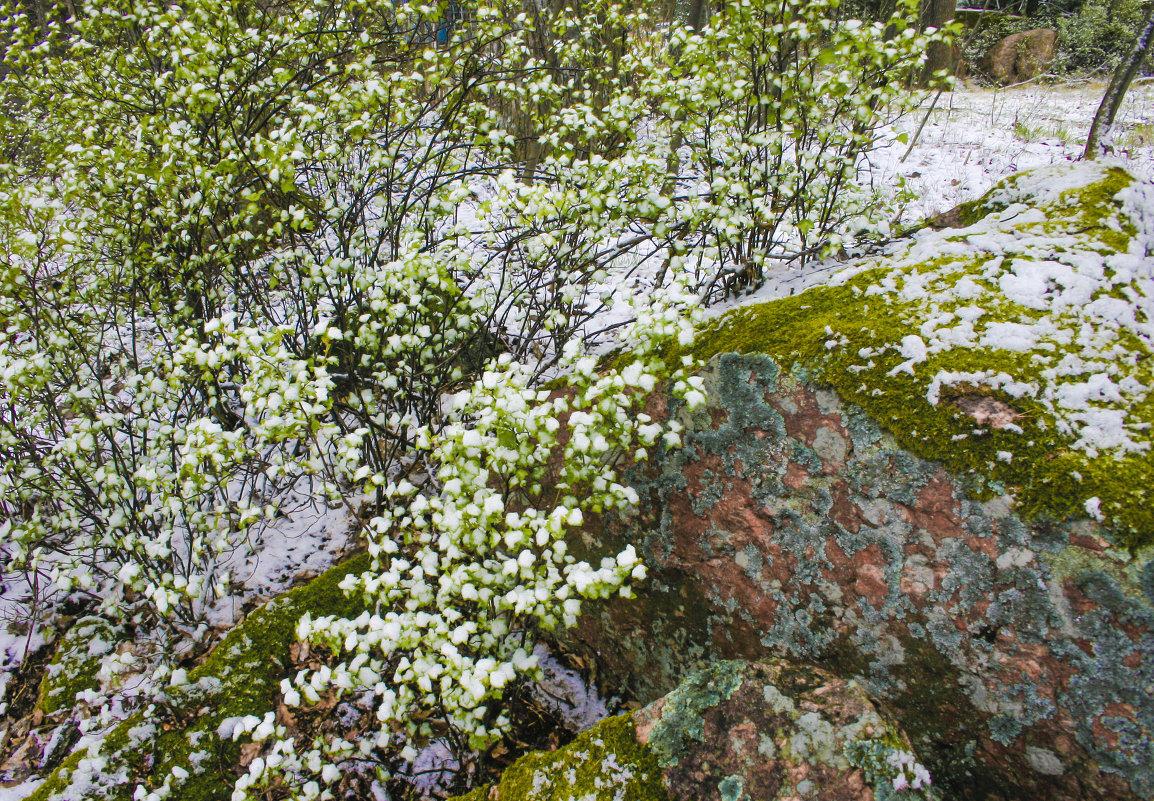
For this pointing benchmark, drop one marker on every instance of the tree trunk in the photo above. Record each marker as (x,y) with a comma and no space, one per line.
(937,14)
(673,162)
(1116,91)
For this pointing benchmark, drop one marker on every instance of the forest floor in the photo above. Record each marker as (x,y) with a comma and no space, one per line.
(973,137)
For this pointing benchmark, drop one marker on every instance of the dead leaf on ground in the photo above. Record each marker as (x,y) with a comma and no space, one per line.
(18,767)
(284,715)
(986,410)
(249,752)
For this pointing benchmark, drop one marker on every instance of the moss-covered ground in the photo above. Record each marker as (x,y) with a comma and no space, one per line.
(179,730)
(76,663)
(605,762)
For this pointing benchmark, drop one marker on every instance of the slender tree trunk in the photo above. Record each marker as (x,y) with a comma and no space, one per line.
(673,163)
(1116,91)
(937,14)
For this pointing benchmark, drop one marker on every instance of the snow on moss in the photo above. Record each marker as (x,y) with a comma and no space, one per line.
(76,665)
(186,742)
(1025,335)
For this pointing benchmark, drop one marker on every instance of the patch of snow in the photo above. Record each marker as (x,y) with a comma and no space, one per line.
(20,791)
(1093,507)
(433,770)
(566,693)
(1010,336)
(15,647)
(1055,292)
(308,538)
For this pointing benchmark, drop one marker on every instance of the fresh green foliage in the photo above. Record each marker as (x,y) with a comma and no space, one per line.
(265,255)
(1092,38)
(777,104)
(1098,36)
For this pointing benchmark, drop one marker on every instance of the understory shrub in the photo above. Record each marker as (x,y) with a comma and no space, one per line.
(1092,38)
(259,257)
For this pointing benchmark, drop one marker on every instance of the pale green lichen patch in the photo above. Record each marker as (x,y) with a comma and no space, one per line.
(606,763)
(180,729)
(681,715)
(1016,350)
(75,666)
(1127,574)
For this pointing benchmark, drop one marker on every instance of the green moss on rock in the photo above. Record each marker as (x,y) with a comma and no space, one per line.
(76,663)
(605,763)
(240,677)
(941,343)
(738,731)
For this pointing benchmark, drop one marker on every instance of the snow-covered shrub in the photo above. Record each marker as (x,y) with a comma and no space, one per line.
(233,269)
(470,565)
(778,106)
(258,255)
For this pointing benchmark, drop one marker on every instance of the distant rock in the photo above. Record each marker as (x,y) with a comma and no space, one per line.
(1020,56)
(931,476)
(732,732)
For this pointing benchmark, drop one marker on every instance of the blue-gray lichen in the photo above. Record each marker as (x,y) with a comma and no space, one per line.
(681,720)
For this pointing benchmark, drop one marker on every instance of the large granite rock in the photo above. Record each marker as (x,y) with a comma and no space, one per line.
(907,479)
(1020,56)
(735,731)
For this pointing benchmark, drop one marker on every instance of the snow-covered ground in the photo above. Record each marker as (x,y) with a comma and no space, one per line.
(975,136)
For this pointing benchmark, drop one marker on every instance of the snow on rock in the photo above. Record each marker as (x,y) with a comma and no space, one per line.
(1039,297)
(1087,295)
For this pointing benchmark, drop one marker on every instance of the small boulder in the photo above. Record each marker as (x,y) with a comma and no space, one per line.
(734,731)
(1020,56)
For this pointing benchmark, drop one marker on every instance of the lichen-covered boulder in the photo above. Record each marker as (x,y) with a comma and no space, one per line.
(1020,56)
(734,731)
(932,475)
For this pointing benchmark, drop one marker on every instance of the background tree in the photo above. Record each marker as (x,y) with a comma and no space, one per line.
(942,55)
(1116,91)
